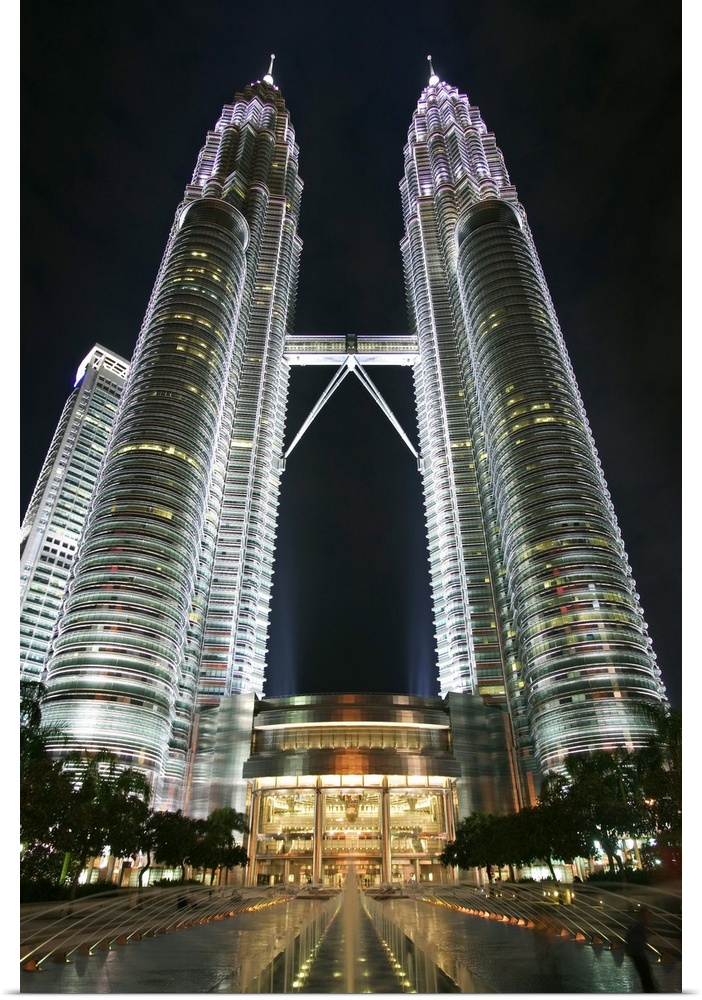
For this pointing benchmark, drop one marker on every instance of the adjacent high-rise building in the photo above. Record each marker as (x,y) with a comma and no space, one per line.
(57,509)
(166,611)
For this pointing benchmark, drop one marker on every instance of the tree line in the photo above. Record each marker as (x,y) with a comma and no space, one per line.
(76,806)
(597,800)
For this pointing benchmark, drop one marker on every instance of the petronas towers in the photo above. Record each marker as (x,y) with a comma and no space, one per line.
(167,604)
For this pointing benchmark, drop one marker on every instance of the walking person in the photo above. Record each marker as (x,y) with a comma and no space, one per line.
(637,949)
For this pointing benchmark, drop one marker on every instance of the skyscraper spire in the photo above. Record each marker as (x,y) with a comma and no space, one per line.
(433,79)
(268,78)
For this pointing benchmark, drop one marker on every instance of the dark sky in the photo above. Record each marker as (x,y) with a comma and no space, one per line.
(584,100)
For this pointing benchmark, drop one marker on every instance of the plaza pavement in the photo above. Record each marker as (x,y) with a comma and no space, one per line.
(220,957)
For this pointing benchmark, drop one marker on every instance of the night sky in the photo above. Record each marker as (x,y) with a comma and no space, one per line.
(584,100)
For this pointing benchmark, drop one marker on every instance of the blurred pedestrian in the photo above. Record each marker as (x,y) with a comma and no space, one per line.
(637,949)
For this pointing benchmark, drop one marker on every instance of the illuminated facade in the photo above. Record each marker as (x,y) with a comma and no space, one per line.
(330,781)
(173,581)
(58,507)
(533,595)
(159,654)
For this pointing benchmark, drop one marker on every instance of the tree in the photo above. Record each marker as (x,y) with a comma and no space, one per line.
(659,767)
(218,843)
(31,696)
(174,838)
(605,800)
(128,814)
(598,798)
(554,829)
(147,842)
(206,850)
(546,832)
(74,806)
(45,791)
(506,845)
(473,846)
(98,810)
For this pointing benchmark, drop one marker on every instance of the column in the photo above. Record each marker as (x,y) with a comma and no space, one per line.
(386,860)
(318,839)
(563,553)
(123,630)
(253,836)
(450,819)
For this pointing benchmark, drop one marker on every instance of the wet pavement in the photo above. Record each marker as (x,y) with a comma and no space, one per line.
(504,958)
(221,957)
(218,957)
(351,958)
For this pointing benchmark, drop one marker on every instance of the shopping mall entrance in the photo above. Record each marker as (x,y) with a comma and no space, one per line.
(385,828)
(367,871)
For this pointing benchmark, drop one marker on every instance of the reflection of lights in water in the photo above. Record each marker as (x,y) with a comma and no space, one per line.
(351,914)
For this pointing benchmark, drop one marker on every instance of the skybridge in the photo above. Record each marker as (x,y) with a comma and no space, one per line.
(351,354)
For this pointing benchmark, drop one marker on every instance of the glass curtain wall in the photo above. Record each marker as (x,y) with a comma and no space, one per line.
(387,828)
(534,601)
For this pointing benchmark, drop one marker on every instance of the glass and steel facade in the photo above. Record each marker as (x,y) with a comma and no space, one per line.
(54,520)
(390,828)
(533,595)
(167,604)
(336,780)
(165,615)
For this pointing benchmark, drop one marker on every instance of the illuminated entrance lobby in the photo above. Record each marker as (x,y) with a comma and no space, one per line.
(330,782)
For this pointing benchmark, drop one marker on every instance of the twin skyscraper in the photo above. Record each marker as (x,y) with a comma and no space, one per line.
(166,606)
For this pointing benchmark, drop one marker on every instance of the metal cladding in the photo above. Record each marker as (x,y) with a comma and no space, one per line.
(351,734)
(540,636)
(365,779)
(534,600)
(172,581)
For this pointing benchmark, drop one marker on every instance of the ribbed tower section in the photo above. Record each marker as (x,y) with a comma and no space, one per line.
(450,156)
(256,161)
(251,159)
(169,532)
(534,599)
